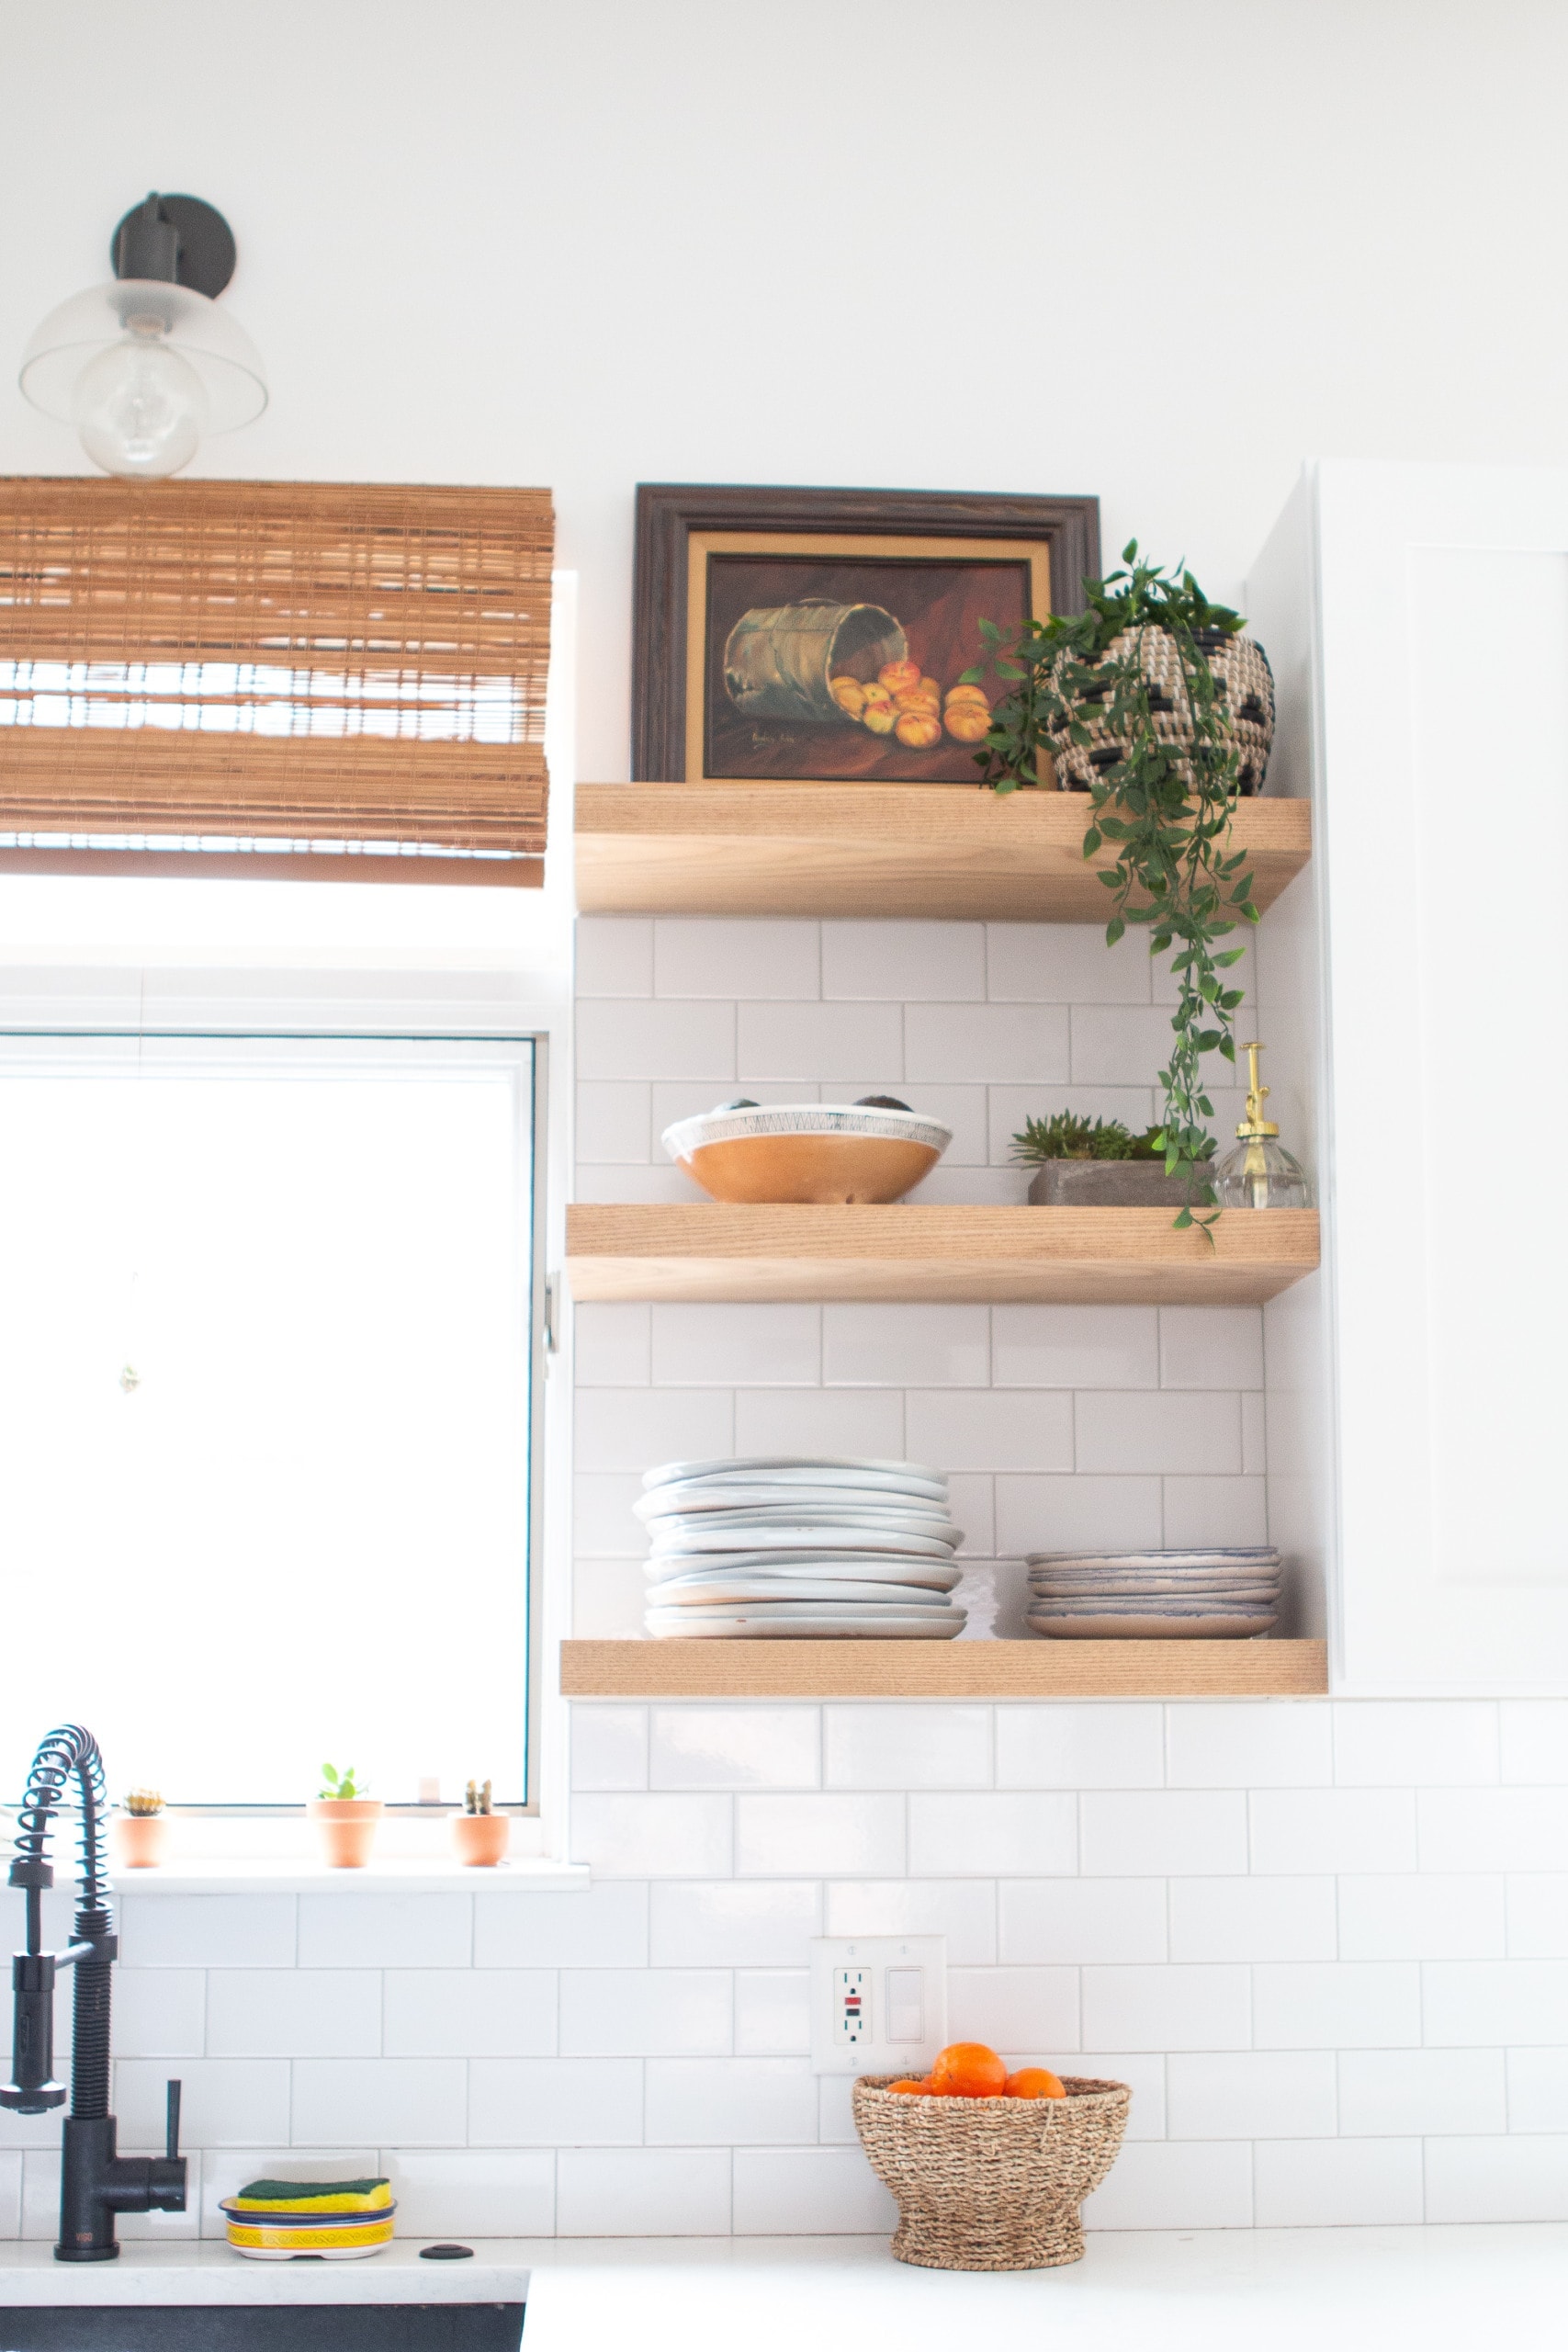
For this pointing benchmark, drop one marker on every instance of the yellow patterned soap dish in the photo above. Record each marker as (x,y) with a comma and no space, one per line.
(306,2238)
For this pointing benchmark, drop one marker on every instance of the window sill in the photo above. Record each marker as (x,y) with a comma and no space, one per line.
(302,1875)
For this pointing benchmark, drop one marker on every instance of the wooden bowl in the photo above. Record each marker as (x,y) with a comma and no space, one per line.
(808,1151)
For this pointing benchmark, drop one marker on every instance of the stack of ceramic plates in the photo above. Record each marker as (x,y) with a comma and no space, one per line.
(788,1546)
(1225,1594)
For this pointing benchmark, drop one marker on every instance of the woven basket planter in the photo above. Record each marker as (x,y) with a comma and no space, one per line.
(991,2184)
(1239,661)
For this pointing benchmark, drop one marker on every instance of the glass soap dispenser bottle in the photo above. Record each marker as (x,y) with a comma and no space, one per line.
(1259,1173)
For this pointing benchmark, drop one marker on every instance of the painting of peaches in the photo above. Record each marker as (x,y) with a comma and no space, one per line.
(848,669)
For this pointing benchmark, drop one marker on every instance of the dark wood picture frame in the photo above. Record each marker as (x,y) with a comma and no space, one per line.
(668,514)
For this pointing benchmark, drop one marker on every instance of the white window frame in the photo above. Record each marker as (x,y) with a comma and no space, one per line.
(225,1845)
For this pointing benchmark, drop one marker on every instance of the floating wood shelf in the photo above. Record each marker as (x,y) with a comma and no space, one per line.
(938,850)
(1103,1256)
(1029,1670)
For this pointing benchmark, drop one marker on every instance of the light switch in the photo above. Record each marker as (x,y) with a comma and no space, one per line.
(878,2003)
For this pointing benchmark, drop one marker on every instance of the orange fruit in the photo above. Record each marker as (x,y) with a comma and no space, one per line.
(907,2088)
(969,2069)
(1034,2082)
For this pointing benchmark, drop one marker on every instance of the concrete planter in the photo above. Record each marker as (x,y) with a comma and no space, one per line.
(1113,1184)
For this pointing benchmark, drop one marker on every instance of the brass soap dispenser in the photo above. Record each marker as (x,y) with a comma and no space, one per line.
(1259,1173)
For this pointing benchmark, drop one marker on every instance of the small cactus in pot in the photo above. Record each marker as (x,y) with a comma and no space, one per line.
(478,1832)
(141,1830)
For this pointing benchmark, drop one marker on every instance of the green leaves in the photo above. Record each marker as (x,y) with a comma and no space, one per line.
(339,1784)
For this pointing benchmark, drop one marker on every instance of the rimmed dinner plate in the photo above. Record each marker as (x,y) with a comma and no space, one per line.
(672,1540)
(779,1494)
(789,1465)
(1154,1626)
(731,1592)
(809,1624)
(1159,1589)
(1216,1556)
(865,1567)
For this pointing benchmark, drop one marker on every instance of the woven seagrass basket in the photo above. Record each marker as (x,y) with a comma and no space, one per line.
(991,2184)
(1239,663)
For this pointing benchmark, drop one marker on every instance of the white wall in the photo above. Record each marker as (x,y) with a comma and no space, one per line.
(1159,254)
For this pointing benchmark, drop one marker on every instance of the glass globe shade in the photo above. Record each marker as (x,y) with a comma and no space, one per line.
(114,359)
(141,408)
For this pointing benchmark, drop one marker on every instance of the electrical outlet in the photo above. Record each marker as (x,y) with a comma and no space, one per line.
(878,2003)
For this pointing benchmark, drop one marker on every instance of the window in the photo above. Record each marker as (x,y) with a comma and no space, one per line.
(270,1354)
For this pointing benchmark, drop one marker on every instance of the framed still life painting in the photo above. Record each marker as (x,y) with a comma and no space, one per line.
(821,636)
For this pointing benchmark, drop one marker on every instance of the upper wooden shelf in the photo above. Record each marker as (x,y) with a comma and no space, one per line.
(938,850)
(1030,1670)
(1100,1256)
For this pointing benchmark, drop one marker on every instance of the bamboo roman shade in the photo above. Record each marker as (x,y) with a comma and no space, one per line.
(280,671)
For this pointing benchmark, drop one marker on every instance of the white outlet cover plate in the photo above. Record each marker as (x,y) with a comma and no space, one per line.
(867,1989)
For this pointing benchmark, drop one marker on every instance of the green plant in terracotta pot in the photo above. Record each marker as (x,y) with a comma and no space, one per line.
(140,1834)
(480,1834)
(345,1818)
(1152,702)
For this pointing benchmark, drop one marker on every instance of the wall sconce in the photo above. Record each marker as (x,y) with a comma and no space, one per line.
(148,365)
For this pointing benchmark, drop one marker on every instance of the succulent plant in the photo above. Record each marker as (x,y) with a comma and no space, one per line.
(142,1803)
(341,1784)
(1067,1136)
(476,1799)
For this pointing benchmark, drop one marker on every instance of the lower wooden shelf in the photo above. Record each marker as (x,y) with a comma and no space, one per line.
(1028,1669)
(1103,1257)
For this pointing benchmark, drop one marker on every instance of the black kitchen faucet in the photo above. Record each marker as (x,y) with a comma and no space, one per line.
(95,2182)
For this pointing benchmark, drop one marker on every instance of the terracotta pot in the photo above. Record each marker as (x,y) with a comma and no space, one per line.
(139,1840)
(480,1838)
(347,1826)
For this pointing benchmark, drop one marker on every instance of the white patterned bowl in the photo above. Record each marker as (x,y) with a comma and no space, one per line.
(807,1151)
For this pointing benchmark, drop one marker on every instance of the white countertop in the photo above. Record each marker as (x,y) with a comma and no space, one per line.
(1335,2291)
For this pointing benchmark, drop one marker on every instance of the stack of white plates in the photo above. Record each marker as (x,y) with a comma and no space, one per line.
(788,1546)
(1228,1593)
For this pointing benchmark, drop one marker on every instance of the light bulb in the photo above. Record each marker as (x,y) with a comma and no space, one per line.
(140,407)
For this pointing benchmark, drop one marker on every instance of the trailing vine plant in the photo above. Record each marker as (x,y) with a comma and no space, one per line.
(1160,803)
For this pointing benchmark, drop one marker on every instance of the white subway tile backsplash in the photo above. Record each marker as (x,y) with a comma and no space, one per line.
(634,1428)
(1157,1433)
(745,1746)
(990,1428)
(829,1042)
(614,956)
(609,1601)
(819,1836)
(470,2012)
(1521,2178)
(732,1923)
(1537,2089)
(656,1835)
(971,1499)
(1210,1347)
(1120,1044)
(1075,1347)
(725,2101)
(705,1347)
(1336,2184)
(294,2012)
(1200,1511)
(386,1930)
(394,2102)
(1332,1830)
(1406,1917)
(602,1524)
(1493,1829)
(1483,2001)
(1414,1742)
(875,1346)
(1060,963)
(903,962)
(609,1747)
(614,1120)
(706,955)
(993,1834)
(1383,2093)
(1056,1514)
(1072,1920)
(1538,1916)
(962,1909)
(905,1747)
(772,2012)
(1167,2008)
(491,2192)
(1012,1043)
(1239,1743)
(1340,2005)
(644,2012)
(1251,2094)
(555,2102)
(228,2102)
(631,1040)
(1088,1746)
(810,2192)
(819,1420)
(605,1925)
(1155,1833)
(209,1931)
(612,1344)
(1252,1918)
(1175,2185)
(642,2192)
(1027,2013)
(1535,1740)
(158,2013)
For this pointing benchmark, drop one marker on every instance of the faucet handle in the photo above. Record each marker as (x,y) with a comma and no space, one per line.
(171,2126)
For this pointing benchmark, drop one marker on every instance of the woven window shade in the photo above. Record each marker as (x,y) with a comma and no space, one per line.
(271,672)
